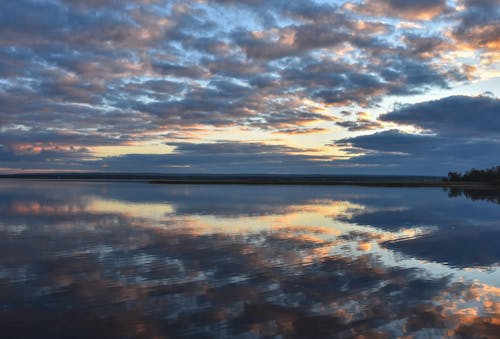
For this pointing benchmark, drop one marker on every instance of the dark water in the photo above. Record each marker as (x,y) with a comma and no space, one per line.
(130,260)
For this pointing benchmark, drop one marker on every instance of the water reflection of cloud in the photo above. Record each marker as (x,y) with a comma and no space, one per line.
(458,247)
(122,272)
(156,211)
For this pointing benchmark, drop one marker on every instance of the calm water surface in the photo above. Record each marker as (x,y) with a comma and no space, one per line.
(133,260)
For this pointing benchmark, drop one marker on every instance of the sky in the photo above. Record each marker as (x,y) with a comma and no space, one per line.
(249,86)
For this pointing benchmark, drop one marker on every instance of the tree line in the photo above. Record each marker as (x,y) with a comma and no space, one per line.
(483,175)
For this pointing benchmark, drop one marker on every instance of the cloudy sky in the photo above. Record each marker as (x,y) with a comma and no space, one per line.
(249,86)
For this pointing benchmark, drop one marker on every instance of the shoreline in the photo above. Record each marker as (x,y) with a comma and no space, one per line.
(471,185)
(292,180)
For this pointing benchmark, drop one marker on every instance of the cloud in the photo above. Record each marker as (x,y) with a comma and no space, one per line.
(461,116)
(393,141)
(363,122)
(340,84)
(407,9)
(478,23)
(425,155)
(424,46)
(101,72)
(223,157)
(461,134)
(55,158)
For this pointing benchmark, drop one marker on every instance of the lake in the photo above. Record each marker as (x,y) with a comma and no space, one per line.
(131,259)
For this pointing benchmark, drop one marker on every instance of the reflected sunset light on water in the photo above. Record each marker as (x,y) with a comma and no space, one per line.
(229,261)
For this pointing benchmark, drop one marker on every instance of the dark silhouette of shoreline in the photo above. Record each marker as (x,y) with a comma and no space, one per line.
(263,179)
(490,175)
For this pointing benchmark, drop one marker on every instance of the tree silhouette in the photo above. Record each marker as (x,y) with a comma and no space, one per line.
(483,175)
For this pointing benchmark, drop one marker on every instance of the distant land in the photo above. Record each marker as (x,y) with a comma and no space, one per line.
(490,175)
(256,179)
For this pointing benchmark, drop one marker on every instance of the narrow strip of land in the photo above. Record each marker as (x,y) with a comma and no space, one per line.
(262,179)
(326,182)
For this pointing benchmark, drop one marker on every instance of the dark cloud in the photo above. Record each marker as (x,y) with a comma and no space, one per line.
(425,46)
(303,130)
(189,157)
(393,141)
(363,122)
(339,84)
(179,71)
(461,116)
(217,103)
(359,125)
(225,147)
(415,154)
(32,157)
(461,133)
(223,157)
